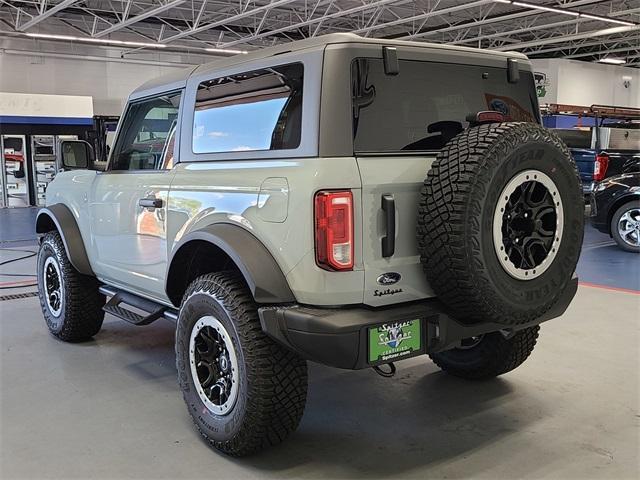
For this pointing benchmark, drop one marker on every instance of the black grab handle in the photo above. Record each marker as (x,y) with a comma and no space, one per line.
(389,209)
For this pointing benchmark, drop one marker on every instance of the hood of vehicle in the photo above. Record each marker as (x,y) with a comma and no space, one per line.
(624,181)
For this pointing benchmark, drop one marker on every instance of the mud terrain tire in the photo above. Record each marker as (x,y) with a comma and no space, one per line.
(463,192)
(73,310)
(270,381)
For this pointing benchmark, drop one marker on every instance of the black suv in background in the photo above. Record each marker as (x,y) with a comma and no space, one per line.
(615,209)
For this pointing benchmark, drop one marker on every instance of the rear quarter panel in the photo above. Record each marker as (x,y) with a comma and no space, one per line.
(242,193)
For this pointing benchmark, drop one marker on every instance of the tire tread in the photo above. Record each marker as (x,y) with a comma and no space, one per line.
(83,314)
(277,377)
(494,356)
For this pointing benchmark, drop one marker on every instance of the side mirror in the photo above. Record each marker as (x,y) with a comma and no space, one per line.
(75,154)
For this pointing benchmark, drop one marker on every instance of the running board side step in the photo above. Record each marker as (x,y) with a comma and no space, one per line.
(151,311)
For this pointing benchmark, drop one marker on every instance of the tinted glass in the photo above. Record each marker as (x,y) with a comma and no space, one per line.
(425,105)
(259,110)
(144,133)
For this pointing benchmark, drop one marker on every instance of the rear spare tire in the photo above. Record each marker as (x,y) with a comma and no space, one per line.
(500,223)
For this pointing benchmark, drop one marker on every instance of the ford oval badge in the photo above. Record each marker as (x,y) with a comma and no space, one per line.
(389,278)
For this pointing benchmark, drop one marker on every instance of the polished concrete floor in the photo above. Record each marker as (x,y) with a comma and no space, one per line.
(110,408)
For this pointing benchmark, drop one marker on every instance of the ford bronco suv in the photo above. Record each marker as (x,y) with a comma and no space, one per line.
(349,201)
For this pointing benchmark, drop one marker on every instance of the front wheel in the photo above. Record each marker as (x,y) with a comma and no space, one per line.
(488,355)
(71,303)
(625,226)
(243,391)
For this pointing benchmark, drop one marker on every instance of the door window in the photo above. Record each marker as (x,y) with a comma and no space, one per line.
(259,110)
(145,133)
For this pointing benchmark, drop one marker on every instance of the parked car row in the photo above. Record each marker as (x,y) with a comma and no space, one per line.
(608,160)
(603,151)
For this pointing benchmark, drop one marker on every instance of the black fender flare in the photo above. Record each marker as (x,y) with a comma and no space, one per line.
(258,267)
(60,217)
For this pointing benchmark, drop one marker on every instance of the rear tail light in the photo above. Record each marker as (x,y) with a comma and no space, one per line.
(334,230)
(600,167)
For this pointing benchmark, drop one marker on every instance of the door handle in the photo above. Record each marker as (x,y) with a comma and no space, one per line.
(150,202)
(389,241)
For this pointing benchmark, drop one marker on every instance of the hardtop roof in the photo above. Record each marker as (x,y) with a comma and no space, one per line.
(178,79)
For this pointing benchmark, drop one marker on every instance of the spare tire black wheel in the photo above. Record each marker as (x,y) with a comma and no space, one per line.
(500,223)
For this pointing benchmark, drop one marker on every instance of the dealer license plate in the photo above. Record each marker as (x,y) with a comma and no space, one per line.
(394,340)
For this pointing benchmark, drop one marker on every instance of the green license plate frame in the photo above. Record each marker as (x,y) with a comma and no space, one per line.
(396,340)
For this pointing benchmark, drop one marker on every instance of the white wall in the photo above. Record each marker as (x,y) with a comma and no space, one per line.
(573,82)
(109,83)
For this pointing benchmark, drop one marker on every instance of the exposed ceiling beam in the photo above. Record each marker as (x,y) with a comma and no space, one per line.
(604,52)
(576,46)
(469,24)
(141,16)
(46,14)
(568,38)
(234,18)
(424,16)
(495,19)
(516,31)
(542,26)
(341,13)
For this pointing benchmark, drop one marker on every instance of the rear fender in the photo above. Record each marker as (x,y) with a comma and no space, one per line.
(256,264)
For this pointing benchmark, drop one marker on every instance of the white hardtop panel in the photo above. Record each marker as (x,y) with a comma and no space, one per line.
(334,38)
(178,79)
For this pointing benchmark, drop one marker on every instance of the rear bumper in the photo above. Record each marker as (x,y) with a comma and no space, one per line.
(339,337)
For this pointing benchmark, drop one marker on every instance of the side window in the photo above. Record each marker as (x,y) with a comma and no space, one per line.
(259,110)
(144,136)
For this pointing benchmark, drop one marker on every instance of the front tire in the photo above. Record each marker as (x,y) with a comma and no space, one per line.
(71,303)
(488,356)
(625,226)
(243,391)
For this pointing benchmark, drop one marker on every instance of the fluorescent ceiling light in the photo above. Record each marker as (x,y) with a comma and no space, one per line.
(606,19)
(95,40)
(226,50)
(546,9)
(573,13)
(613,60)
(124,43)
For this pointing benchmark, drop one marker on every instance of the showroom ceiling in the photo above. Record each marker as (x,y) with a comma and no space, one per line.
(589,30)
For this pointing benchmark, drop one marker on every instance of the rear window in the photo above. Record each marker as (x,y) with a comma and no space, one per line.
(257,110)
(425,105)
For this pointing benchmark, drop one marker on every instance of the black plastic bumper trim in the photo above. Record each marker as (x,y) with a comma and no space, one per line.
(338,337)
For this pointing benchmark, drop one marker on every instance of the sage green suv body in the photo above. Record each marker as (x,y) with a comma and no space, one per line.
(301,169)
